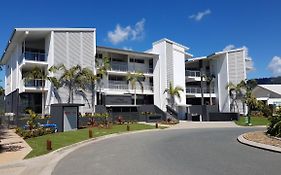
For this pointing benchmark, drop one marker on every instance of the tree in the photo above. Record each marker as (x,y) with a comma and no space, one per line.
(209,79)
(236,93)
(102,69)
(173,92)
(135,78)
(243,92)
(90,77)
(73,79)
(37,73)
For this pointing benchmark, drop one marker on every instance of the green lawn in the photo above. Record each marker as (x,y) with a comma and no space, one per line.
(256,121)
(62,139)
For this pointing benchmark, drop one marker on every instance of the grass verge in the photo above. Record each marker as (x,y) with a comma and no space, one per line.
(256,121)
(62,139)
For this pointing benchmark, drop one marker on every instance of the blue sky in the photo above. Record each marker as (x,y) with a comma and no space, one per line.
(203,26)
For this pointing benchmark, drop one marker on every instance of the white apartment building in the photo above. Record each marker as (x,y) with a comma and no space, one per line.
(166,62)
(224,67)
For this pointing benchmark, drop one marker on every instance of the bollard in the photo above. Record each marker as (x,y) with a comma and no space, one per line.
(156,125)
(49,145)
(128,127)
(90,133)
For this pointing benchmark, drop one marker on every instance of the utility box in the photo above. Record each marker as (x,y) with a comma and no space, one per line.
(65,116)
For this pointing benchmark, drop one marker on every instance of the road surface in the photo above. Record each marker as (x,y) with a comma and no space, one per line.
(171,152)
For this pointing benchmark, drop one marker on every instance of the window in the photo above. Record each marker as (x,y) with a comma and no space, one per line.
(99,55)
(135,60)
(116,78)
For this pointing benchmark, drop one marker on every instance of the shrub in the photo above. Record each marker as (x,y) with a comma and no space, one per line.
(34,132)
(257,114)
(274,128)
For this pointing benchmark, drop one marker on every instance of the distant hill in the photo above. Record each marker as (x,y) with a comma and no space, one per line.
(270,80)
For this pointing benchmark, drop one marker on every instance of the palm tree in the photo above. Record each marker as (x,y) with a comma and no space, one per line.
(134,78)
(236,92)
(209,79)
(102,69)
(37,74)
(2,91)
(73,79)
(173,93)
(89,76)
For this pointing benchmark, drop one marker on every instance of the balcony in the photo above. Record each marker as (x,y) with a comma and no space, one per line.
(196,92)
(32,86)
(123,85)
(124,67)
(33,83)
(192,73)
(118,85)
(31,59)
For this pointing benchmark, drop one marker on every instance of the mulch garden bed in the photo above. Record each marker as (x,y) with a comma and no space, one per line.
(262,137)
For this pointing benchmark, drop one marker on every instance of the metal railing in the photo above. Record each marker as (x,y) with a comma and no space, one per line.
(197,90)
(123,85)
(34,56)
(119,66)
(119,85)
(33,83)
(124,67)
(192,73)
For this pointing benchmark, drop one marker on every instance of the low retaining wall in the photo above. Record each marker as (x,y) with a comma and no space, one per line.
(223,116)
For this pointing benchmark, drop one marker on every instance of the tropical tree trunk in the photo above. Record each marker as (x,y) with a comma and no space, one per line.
(173,102)
(210,93)
(202,93)
(100,92)
(69,94)
(93,98)
(135,98)
(43,97)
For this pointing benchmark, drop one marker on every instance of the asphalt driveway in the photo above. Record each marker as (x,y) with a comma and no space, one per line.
(184,151)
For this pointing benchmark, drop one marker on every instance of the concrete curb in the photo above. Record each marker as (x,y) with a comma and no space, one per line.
(45,164)
(244,141)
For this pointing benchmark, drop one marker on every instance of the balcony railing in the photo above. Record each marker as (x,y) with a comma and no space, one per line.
(123,85)
(124,67)
(119,67)
(119,85)
(33,83)
(34,56)
(197,90)
(192,73)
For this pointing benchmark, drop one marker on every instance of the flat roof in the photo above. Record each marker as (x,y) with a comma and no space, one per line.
(214,54)
(170,41)
(19,31)
(123,51)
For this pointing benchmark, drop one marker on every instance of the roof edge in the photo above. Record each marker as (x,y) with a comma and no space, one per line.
(170,41)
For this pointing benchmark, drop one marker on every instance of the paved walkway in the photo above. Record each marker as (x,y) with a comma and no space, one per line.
(191,125)
(14,147)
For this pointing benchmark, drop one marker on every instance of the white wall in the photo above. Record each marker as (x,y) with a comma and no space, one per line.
(222,81)
(70,49)
(179,72)
(169,68)
(12,75)
(237,71)
(160,76)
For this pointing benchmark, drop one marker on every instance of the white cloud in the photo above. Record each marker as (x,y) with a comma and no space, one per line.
(121,34)
(275,66)
(229,47)
(200,15)
(127,48)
